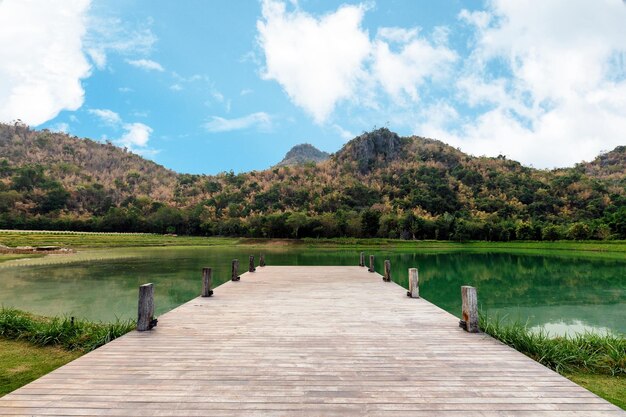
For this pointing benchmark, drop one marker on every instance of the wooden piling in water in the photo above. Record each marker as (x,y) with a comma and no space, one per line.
(362,259)
(371,268)
(262,260)
(251,267)
(207,277)
(414,289)
(235,270)
(469,300)
(387,276)
(145,308)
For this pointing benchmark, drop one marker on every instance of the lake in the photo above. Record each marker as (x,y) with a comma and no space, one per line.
(561,294)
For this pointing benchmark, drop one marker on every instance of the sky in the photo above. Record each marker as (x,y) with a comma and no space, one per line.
(211,86)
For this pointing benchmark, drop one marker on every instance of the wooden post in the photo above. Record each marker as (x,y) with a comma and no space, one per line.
(387,277)
(362,259)
(470,309)
(262,260)
(145,308)
(414,289)
(371,268)
(207,277)
(251,267)
(235,271)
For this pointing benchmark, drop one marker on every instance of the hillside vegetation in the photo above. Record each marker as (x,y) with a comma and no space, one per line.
(302,154)
(377,185)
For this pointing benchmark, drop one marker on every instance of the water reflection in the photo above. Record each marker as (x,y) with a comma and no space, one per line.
(560,294)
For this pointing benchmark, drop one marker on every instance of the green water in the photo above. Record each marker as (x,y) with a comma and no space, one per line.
(561,294)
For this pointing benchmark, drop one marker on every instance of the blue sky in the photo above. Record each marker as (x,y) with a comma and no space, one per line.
(208,86)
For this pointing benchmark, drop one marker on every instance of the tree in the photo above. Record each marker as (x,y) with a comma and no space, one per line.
(551,232)
(524,231)
(28,177)
(578,231)
(297,220)
(370,222)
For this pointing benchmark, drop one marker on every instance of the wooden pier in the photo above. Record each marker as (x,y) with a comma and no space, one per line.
(305,341)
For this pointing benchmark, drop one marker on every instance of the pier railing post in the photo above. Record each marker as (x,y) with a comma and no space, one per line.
(207,277)
(235,270)
(262,260)
(145,308)
(414,289)
(251,267)
(362,259)
(387,277)
(371,268)
(470,309)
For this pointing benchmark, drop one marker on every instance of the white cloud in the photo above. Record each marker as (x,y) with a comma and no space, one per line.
(564,100)
(318,62)
(145,64)
(107,116)
(60,127)
(259,120)
(404,71)
(41,58)
(108,35)
(136,135)
(344,133)
(322,61)
(176,87)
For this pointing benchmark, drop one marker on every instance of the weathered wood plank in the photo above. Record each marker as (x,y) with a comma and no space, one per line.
(306,341)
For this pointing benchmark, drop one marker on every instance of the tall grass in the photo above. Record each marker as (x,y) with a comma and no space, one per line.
(60,331)
(584,352)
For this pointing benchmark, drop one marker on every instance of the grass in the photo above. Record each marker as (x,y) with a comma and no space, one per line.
(611,388)
(32,346)
(4,257)
(21,362)
(15,238)
(63,332)
(595,361)
(603,354)
(111,240)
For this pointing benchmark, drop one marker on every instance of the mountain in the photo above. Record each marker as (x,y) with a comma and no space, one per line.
(378,184)
(608,165)
(302,154)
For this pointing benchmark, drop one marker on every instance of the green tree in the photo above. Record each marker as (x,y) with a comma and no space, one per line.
(551,232)
(296,221)
(370,223)
(579,231)
(524,231)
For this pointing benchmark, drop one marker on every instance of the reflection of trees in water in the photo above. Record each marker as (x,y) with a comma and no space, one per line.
(103,289)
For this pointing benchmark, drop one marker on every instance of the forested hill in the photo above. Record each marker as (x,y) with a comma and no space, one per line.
(378,184)
(302,154)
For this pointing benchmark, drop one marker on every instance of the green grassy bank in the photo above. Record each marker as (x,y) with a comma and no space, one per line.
(65,332)
(32,346)
(597,362)
(22,362)
(79,240)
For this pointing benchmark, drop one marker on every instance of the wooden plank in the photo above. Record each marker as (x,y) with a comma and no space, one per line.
(306,341)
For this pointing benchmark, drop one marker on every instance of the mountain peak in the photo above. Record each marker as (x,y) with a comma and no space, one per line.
(372,148)
(303,153)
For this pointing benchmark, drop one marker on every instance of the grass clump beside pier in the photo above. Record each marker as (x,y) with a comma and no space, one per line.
(595,361)
(63,332)
(602,354)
